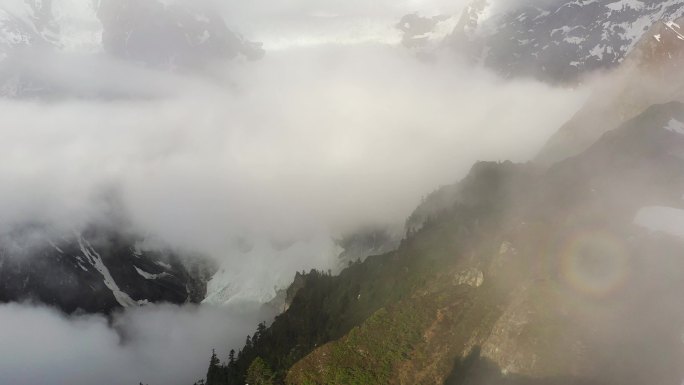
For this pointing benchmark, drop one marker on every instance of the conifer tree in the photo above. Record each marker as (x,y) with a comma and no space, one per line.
(259,373)
(261,330)
(214,372)
(231,357)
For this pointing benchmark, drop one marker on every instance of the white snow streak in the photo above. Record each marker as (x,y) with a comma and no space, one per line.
(96,261)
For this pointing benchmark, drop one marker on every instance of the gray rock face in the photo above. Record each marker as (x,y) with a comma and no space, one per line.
(99,270)
(556,40)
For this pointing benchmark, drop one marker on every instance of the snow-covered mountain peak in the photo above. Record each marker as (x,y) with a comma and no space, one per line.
(557,40)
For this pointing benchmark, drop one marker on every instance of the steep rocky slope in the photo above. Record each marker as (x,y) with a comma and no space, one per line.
(563,288)
(530,276)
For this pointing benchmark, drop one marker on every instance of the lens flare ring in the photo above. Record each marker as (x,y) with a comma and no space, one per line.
(594,264)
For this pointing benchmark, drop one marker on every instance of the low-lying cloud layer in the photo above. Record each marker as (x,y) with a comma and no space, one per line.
(332,137)
(155,344)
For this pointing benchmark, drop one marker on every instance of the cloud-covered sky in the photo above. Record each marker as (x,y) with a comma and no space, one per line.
(311,141)
(330,137)
(306,22)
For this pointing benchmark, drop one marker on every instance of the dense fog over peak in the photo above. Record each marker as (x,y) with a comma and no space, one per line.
(296,141)
(337,127)
(43,346)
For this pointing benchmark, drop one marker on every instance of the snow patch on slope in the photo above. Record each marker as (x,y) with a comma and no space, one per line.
(163,264)
(675,28)
(675,125)
(668,220)
(147,275)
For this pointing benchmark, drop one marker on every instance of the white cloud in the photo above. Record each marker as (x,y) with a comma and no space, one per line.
(293,23)
(156,344)
(304,139)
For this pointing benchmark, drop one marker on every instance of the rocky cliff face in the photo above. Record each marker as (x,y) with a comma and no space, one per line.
(96,271)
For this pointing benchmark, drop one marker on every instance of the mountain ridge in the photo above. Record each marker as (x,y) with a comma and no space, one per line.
(499,294)
(557,41)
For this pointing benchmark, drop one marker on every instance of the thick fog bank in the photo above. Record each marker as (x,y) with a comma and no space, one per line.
(302,140)
(161,344)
